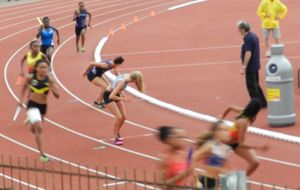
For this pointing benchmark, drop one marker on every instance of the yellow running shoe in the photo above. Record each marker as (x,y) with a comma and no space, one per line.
(44,158)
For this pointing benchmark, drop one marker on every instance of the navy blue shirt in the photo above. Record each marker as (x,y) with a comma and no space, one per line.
(251,43)
(97,71)
(81,19)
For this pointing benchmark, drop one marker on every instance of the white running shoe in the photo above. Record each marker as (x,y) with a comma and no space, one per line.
(268,54)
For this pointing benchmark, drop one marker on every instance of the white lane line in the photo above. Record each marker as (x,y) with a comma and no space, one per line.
(114,184)
(132,137)
(24,6)
(33,8)
(189,64)
(185,5)
(41,11)
(184,49)
(21,182)
(94,16)
(66,10)
(72,23)
(66,161)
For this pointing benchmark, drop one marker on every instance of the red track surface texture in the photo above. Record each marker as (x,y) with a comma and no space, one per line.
(201,64)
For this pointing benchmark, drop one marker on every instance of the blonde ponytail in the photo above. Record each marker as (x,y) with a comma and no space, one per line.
(138,78)
(203,139)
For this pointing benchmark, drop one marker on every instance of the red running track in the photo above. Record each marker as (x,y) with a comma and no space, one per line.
(166,31)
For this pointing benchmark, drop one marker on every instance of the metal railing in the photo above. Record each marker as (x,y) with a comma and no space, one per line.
(24,173)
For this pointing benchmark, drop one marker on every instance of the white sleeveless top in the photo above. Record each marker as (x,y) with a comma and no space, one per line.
(114,83)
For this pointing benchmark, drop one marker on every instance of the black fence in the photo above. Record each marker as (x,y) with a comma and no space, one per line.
(25,174)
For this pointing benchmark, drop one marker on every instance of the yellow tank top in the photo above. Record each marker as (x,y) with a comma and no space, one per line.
(32,60)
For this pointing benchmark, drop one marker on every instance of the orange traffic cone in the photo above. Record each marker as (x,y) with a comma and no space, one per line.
(136,19)
(123,27)
(152,13)
(111,32)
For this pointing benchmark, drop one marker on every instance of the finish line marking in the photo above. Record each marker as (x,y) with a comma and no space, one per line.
(185,4)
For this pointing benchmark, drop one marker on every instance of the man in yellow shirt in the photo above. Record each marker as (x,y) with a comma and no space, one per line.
(270,12)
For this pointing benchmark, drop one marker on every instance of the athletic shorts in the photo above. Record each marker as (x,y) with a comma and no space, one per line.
(78,30)
(234,146)
(35,111)
(208,183)
(106,98)
(91,76)
(275,33)
(44,48)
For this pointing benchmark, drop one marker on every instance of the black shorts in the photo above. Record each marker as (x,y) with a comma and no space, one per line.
(106,98)
(91,76)
(44,48)
(234,146)
(78,30)
(208,183)
(41,107)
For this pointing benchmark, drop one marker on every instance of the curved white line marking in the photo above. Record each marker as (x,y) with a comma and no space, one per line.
(64,11)
(42,11)
(145,52)
(20,182)
(185,5)
(71,23)
(25,5)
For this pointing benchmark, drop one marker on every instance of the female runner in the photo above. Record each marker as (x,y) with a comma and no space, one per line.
(32,57)
(238,133)
(46,32)
(174,165)
(213,148)
(95,71)
(80,28)
(115,102)
(39,83)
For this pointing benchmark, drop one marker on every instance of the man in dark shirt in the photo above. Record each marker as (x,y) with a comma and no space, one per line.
(250,56)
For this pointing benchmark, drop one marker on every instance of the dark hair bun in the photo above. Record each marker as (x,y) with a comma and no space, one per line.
(119,60)
(164,133)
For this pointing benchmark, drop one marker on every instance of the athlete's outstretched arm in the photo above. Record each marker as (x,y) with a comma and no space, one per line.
(53,87)
(114,94)
(38,35)
(57,34)
(22,65)
(24,88)
(201,153)
(90,19)
(230,109)
(75,15)
(91,65)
